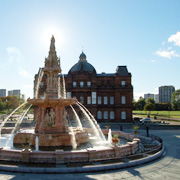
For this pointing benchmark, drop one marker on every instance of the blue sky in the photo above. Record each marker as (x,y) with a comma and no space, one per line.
(144,35)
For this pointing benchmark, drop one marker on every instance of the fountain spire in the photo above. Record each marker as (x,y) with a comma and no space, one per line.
(52,45)
(52,61)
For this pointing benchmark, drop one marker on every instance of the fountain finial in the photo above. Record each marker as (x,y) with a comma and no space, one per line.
(52,46)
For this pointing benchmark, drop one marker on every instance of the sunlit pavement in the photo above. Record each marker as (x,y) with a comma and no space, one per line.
(166,167)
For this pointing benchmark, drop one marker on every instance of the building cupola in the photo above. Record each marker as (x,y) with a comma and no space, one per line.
(82,57)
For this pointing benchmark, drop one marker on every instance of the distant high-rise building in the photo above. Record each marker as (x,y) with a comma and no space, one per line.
(156,98)
(148,95)
(165,93)
(16,92)
(2,92)
(10,93)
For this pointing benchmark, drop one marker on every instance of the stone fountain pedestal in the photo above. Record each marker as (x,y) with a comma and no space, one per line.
(52,125)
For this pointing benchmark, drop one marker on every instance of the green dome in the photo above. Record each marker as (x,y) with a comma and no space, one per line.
(82,65)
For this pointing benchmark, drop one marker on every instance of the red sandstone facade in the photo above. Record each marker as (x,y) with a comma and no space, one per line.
(107,96)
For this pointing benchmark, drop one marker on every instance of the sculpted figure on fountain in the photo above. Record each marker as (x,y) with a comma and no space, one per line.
(52,116)
(46,119)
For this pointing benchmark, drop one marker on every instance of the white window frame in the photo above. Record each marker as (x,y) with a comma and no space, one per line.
(123,115)
(123,99)
(99,115)
(99,100)
(89,100)
(81,84)
(88,83)
(123,83)
(93,95)
(105,115)
(105,100)
(74,84)
(111,100)
(111,114)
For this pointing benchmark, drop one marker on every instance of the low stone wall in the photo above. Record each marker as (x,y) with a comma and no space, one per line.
(60,156)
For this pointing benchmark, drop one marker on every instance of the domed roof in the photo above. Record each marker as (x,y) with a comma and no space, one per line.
(82,56)
(82,65)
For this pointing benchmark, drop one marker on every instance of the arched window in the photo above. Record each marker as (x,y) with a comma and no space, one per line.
(112,115)
(99,115)
(123,115)
(105,115)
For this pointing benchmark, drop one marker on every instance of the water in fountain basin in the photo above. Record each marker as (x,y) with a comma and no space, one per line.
(78,122)
(94,121)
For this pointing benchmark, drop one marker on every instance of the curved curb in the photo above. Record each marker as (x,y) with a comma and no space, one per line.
(85,169)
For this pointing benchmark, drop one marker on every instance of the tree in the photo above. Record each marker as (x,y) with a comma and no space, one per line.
(140,103)
(149,107)
(175,100)
(150,100)
(2,105)
(134,104)
(14,102)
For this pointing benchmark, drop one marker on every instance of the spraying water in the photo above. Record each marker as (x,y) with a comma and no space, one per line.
(4,122)
(64,87)
(97,133)
(20,120)
(59,87)
(73,139)
(109,136)
(77,118)
(37,143)
(94,121)
(17,125)
(41,72)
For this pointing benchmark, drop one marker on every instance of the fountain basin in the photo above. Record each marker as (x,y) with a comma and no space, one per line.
(59,156)
(51,140)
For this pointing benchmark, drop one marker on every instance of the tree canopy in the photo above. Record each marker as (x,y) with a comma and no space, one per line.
(175,100)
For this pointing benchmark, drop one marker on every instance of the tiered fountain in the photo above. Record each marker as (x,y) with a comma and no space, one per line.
(54,131)
(52,125)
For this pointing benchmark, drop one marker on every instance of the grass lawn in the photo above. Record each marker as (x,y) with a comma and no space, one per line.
(172,114)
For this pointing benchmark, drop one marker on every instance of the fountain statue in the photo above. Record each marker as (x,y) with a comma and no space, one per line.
(52,126)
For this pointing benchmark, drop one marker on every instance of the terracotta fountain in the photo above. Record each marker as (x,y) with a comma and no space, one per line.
(52,124)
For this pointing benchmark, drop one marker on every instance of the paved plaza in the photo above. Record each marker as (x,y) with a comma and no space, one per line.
(166,167)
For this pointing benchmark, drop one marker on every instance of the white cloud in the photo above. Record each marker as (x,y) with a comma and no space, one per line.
(24,73)
(167,54)
(14,55)
(175,38)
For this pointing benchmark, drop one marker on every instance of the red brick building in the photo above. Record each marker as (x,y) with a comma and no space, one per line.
(108,96)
